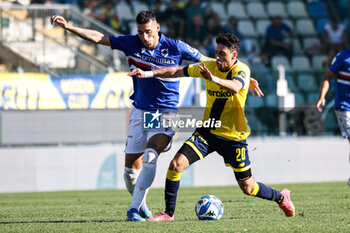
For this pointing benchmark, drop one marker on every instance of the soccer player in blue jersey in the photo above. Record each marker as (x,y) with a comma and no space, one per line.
(340,67)
(229,77)
(148,50)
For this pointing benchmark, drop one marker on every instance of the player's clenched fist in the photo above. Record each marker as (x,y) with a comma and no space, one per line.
(60,21)
(137,72)
(321,101)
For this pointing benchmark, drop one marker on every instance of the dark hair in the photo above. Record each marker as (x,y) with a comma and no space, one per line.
(145,17)
(229,40)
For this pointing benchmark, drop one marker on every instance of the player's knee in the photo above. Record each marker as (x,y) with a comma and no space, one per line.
(150,156)
(133,161)
(177,165)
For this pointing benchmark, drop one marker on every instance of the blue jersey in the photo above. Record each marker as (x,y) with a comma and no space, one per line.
(341,67)
(155,93)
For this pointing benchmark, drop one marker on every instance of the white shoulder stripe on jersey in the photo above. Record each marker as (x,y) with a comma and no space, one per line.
(342,81)
(169,79)
(344,73)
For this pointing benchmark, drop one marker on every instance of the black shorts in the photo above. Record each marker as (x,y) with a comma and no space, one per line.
(235,153)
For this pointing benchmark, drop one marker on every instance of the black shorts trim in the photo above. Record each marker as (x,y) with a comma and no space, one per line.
(189,153)
(242,176)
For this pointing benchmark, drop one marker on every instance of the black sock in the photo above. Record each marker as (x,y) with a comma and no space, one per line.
(280,199)
(170,212)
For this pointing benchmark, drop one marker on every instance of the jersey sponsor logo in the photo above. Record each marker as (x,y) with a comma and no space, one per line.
(167,61)
(220,93)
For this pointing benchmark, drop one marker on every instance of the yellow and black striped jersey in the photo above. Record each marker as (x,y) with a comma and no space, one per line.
(223,104)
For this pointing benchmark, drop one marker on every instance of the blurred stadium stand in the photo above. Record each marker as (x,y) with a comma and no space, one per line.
(27,32)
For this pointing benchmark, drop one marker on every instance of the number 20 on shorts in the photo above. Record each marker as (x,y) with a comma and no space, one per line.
(240,154)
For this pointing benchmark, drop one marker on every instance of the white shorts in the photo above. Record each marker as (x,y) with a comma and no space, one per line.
(138,136)
(344,123)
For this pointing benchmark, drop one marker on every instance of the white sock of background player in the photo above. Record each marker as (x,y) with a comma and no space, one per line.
(130,178)
(146,177)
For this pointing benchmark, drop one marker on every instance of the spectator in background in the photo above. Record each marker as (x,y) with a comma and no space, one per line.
(110,17)
(175,20)
(77,3)
(102,11)
(130,3)
(196,32)
(213,28)
(93,10)
(263,74)
(161,19)
(194,8)
(335,38)
(157,8)
(247,47)
(232,27)
(275,39)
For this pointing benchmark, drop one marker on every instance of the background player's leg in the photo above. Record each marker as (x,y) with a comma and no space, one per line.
(132,169)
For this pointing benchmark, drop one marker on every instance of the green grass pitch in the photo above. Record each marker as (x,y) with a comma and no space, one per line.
(320,207)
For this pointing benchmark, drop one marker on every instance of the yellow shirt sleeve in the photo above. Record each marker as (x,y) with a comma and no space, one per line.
(243,75)
(193,70)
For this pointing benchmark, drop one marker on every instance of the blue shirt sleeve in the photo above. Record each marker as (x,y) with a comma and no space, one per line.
(120,42)
(187,52)
(337,63)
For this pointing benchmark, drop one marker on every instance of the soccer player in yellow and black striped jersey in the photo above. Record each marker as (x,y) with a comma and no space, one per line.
(227,83)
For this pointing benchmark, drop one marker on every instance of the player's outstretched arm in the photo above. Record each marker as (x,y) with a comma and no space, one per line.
(205,58)
(254,87)
(87,34)
(324,89)
(168,72)
(231,85)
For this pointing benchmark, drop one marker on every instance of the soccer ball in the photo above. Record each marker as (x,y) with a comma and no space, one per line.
(209,207)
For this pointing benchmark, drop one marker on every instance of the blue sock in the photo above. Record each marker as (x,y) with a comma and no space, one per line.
(266,192)
(172,185)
